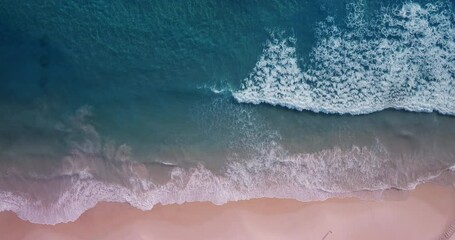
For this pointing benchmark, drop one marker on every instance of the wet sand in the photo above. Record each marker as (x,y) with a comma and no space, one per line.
(426,213)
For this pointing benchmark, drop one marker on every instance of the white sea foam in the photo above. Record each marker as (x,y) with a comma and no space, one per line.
(405,60)
(97,171)
(274,173)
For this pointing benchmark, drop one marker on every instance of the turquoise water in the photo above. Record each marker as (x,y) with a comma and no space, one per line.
(152,102)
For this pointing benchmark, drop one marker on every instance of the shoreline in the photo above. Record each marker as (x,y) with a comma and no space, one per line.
(426,213)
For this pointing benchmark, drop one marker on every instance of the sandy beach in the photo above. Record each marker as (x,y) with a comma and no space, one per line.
(427,213)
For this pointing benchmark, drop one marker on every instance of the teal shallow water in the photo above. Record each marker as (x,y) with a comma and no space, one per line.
(158,101)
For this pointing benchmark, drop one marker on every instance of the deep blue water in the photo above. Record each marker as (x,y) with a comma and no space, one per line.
(243,99)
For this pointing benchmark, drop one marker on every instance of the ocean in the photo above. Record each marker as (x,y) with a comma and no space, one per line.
(158,102)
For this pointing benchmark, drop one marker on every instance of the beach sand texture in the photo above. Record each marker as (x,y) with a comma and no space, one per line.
(427,213)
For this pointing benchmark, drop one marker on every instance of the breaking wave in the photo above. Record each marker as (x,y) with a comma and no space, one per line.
(357,172)
(404,59)
(97,170)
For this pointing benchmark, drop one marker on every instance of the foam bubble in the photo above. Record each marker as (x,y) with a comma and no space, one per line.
(276,78)
(405,60)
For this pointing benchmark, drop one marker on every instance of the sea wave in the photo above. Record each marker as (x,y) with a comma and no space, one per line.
(403,59)
(98,170)
(358,172)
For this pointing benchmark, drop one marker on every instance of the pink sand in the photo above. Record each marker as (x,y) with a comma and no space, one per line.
(427,213)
